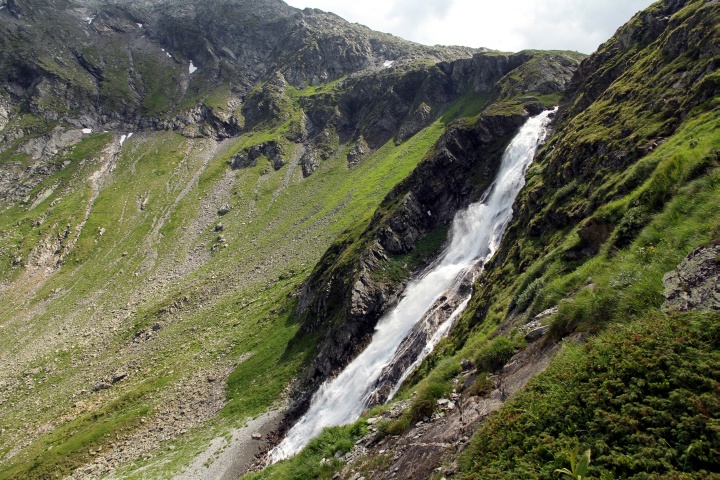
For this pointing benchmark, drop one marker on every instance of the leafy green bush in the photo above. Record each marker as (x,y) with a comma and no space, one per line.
(481,386)
(494,355)
(643,397)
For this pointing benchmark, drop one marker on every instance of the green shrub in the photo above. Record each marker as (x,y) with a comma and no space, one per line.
(494,355)
(394,427)
(523,301)
(481,386)
(643,397)
(424,403)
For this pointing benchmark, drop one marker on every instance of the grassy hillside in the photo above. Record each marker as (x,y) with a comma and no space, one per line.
(115,266)
(625,189)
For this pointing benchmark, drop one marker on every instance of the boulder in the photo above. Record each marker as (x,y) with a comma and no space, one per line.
(694,284)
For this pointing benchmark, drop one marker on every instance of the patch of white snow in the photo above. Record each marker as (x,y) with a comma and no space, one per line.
(130,135)
(388,63)
(90,19)
(87,130)
(193,68)
(122,139)
(140,25)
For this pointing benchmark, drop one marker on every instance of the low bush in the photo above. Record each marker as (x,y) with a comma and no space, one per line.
(642,397)
(494,355)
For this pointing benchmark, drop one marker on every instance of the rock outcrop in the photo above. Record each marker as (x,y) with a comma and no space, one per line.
(695,283)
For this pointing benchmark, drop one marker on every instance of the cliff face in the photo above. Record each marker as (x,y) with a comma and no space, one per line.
(360,277)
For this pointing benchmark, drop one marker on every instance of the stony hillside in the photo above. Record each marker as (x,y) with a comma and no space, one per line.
(174,180)
(606,281)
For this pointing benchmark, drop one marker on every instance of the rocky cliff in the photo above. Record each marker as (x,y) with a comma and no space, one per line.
(360,277)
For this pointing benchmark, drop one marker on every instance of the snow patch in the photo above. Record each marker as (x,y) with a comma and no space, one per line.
(140,25)
(193,68)
(388,63)
(90,19)
(87,130)
(168,54)
(125,137)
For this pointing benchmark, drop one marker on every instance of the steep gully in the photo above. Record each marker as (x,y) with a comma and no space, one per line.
(430,305)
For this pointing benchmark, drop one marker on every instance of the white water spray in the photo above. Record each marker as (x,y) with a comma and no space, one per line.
(476,234)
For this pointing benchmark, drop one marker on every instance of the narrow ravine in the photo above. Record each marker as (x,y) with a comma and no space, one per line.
(476,235)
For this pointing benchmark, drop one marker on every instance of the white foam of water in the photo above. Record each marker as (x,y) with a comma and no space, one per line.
(439,334)
(476,234)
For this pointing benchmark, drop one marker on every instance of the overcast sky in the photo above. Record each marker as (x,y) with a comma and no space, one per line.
(508,25)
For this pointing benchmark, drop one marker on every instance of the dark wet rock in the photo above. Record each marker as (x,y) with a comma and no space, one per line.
(594,233)
(273,151)
(537,333)
(695,283)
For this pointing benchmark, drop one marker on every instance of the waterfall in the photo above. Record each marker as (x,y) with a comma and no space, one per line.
(476,235)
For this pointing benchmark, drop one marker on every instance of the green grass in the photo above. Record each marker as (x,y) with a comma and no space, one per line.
(72,444)
(60,212)
(239,305)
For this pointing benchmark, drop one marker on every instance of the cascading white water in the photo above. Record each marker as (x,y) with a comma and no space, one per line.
(476,234)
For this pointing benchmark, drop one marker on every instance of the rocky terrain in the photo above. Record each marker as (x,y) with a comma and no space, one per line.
(206,207)
(170,177)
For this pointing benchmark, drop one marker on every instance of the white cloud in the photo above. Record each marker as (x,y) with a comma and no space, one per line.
(509,25)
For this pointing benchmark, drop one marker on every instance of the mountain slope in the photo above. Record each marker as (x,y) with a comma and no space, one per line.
(621,194)
(151,269)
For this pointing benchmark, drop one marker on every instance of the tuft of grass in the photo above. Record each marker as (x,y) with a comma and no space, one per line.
(494,354)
